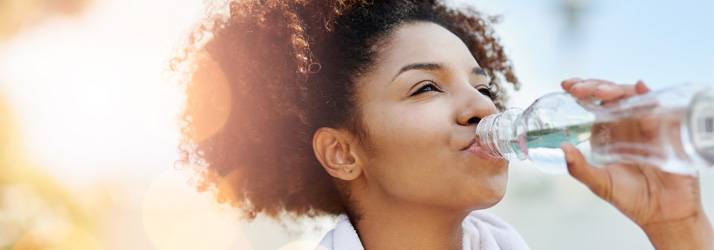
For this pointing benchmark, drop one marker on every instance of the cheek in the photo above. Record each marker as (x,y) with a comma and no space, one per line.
(408,151)
(408,135)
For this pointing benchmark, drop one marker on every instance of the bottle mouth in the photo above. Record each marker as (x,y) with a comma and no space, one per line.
(494,134)
(484,135)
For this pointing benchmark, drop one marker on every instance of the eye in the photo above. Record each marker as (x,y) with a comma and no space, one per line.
(426,86)
(487,92)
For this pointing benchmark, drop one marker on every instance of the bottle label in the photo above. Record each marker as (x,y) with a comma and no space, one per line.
(702,126)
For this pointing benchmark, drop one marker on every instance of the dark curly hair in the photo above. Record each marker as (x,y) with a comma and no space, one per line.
(261,78)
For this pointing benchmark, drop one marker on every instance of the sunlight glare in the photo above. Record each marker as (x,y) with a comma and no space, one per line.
(177,217)
(81,101)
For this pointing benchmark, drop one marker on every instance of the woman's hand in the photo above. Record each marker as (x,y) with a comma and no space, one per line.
(666,206)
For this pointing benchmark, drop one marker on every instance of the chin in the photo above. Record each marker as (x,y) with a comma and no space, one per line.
(494,195)
(496,199)
(479,204)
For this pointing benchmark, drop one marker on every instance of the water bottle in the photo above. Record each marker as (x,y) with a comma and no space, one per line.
(672,128)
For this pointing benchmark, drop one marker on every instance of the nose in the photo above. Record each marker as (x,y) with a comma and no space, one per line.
(473,120)
(473,106)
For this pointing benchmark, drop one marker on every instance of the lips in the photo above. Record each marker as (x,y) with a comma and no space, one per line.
(480,152)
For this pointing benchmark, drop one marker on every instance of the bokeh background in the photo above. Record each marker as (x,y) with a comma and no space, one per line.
(88,132)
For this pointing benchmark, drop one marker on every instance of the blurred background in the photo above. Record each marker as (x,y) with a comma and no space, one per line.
(88,132)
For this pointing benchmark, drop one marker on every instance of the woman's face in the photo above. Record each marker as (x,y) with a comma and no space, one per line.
(419,107)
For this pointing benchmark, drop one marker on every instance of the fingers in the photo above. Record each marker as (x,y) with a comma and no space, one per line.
(601,89)
(592,88)
(597,179)
(641,88)
(613,92)
(567,84)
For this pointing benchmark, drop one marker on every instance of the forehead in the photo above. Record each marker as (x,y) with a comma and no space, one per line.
(423,42)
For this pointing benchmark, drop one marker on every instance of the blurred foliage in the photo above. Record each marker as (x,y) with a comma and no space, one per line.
(36,212)
(14,14)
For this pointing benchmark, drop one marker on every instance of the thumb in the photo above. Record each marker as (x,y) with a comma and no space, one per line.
(595,178)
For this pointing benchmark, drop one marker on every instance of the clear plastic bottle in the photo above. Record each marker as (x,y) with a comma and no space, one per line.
(672,128)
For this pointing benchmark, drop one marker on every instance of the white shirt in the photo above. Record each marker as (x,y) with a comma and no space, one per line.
(481,231)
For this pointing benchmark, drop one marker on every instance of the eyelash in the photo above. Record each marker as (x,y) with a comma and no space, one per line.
(488,92)
(425,85)
(423,88)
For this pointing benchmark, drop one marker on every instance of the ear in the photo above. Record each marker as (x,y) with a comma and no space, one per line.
(333,149)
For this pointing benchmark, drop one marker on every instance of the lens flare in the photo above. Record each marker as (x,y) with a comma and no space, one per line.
(209,100)
(226,189)
(175,216)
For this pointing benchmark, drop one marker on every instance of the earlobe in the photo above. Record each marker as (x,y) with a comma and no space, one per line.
(332,148)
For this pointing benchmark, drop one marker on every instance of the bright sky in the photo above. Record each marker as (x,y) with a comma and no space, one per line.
(664,43)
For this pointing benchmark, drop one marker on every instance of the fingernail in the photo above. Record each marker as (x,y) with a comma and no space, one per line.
(641,87)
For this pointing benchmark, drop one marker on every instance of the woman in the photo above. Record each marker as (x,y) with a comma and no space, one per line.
(368,109)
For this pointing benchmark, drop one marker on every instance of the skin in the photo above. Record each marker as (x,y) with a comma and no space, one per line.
(412,181)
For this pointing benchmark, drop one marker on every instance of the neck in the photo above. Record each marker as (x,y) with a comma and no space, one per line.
(402,225)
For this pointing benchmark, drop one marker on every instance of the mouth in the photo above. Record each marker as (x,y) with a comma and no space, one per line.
(477,150)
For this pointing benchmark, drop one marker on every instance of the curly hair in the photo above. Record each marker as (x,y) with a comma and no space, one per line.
(263,77)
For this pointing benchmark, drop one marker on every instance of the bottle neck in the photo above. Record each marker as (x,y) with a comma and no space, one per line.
(496,134)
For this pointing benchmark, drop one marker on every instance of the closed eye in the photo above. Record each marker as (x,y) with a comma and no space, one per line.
(426,86)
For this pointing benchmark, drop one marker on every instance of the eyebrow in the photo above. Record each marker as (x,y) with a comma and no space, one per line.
(479,71)
(433,67)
